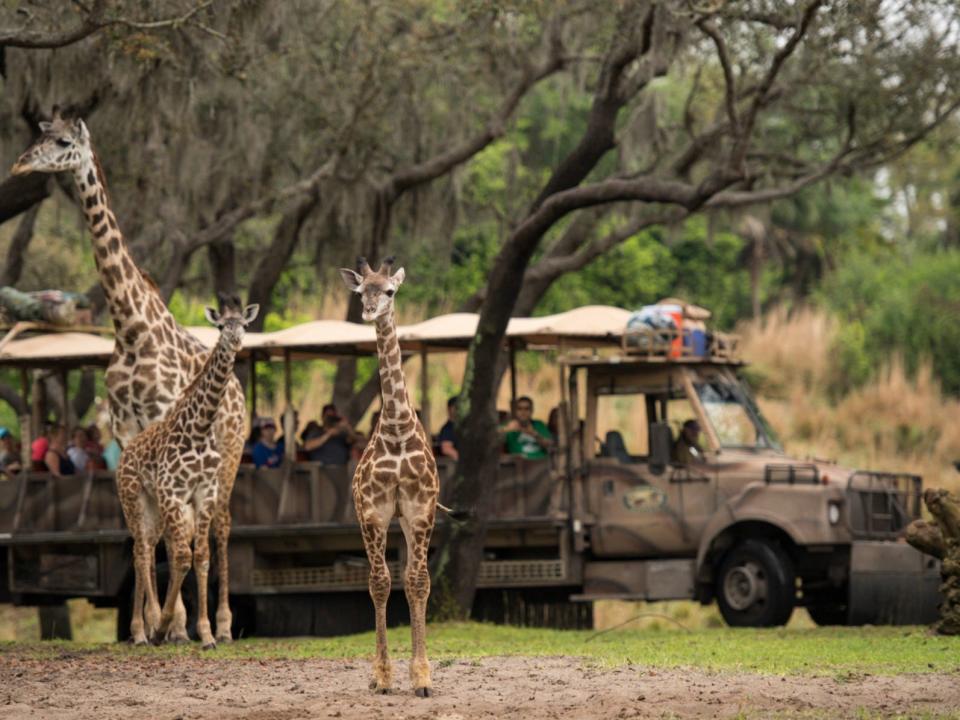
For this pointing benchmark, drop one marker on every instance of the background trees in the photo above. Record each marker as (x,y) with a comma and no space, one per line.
(520,157)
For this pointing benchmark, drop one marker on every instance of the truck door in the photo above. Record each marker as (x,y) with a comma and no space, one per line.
(632,499)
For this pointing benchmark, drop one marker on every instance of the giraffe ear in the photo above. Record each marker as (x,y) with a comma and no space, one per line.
(80,128)
(45,126)
(212,316)
(250,313)
(397,277)
(351,278)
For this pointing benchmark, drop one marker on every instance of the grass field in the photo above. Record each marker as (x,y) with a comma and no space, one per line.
(837,652)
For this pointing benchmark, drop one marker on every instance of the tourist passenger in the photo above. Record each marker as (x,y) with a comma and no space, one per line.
(687,448)
(330,443)
(267,452)
(93,447)
(76,450)
(111,454)
(39,447)
(525,436)
(9,453)
(448,435)
(56,459)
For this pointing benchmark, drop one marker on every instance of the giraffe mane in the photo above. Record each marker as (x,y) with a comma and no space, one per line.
(149,280)
(101,176)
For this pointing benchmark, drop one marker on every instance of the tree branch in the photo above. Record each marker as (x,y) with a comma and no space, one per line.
(424,172)
(740,149)
(93,22)
(729,83)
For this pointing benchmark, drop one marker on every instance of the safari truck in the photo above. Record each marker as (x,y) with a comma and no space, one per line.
(614,513)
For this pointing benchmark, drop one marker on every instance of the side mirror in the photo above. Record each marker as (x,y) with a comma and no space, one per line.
(661,447)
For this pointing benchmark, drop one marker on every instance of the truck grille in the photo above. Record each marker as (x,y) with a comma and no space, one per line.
(881,505)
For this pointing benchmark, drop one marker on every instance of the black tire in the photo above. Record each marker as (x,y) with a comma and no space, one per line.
(829,608)
(756,585)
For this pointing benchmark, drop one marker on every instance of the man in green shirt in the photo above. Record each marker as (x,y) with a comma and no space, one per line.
(525,436)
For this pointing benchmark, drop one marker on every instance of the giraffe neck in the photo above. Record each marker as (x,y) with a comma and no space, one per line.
(397,411)
(127,292)
(202,399)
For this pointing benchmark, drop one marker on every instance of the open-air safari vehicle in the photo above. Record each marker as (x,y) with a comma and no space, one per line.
(609,515)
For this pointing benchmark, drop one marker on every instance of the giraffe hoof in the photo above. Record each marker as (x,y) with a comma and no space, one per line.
(224,639)
(157,639)
(212,645)
(379,689)
(423,692)
(178,640)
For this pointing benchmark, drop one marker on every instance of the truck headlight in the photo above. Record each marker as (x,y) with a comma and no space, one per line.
(833,512)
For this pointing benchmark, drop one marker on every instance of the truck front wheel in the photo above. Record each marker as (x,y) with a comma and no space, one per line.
(756,585)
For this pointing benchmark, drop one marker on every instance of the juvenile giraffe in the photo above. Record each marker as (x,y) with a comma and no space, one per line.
(397,474)
(154,358)
(167,483)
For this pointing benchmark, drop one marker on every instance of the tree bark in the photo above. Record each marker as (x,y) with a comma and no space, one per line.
(941,539)
(277,256)
(223,266)
(18,247)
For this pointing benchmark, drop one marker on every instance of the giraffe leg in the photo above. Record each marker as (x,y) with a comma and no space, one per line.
(207,492)
(141,566)
(375,541)
(180,558)
(176,633)
(230,461)
(417,527)
(152,610)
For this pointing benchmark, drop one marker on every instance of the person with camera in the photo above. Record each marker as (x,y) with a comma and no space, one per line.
(330,442)
(525,436)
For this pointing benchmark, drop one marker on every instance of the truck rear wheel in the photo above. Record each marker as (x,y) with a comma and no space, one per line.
(756,585)
(829,608)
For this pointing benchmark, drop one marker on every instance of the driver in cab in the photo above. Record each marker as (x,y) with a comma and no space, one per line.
(687,449)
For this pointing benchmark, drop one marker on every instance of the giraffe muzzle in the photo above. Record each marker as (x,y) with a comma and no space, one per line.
(20,168)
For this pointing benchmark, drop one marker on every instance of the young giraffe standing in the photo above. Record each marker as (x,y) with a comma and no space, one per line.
(167,483)
(397,474)
(154,358)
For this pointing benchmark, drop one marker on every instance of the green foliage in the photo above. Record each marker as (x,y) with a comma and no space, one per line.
(890,306)
(651,265)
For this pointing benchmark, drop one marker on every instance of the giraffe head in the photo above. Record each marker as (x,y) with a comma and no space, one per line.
(63,145)
(376,289)
(232,319)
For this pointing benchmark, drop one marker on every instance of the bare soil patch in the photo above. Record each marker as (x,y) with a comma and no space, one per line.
(106,687)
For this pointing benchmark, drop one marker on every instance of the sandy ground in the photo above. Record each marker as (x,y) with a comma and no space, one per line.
(107,688)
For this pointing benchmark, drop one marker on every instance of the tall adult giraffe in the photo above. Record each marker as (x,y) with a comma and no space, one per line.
(154,359)
(396,475)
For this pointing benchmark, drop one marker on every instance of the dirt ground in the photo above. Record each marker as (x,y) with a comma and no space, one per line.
(106,687)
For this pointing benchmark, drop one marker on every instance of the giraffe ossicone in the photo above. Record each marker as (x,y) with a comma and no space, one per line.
(168,486)
(396,476)
(154,359)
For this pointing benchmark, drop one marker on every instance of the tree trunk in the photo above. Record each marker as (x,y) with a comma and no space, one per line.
(455,567)
(346,375)
(277,256)
(223,266)
(942,540)
(18,247)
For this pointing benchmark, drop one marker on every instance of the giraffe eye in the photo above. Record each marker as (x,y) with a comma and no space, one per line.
(64,143)
(390,293)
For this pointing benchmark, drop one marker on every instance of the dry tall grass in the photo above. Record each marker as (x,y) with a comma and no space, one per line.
(895,422)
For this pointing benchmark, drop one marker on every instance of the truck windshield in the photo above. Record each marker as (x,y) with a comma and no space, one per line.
(735,417)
